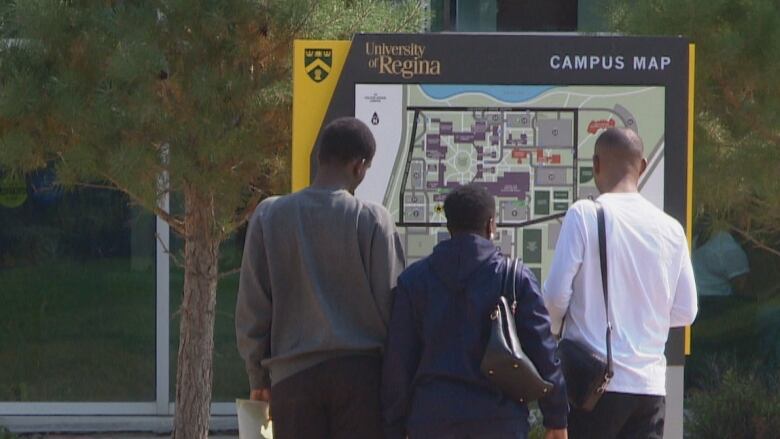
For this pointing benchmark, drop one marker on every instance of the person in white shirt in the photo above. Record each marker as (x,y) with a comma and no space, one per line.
(651,286)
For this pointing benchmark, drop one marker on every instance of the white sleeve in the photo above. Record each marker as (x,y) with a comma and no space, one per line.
(569,253)
(684,305)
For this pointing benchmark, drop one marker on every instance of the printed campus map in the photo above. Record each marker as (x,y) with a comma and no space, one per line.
(530,146)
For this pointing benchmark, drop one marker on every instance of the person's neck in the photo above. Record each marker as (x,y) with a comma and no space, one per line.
(330,180)
(462,233)
(623,186)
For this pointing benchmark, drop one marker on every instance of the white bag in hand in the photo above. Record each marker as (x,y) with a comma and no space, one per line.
(253,421)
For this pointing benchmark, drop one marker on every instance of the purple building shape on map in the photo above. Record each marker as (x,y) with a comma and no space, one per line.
(445,128)
(440,182)
(511,184)
(433,147)
(479,175)
(464,137)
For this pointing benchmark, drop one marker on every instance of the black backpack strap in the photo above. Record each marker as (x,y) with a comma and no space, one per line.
(605,282)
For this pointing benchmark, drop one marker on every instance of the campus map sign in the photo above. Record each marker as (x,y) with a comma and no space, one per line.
(518,114)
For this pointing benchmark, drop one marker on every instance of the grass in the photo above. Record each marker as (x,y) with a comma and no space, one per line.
(85,331)
(744,328)
(740,399)
(5,434)
(76,331)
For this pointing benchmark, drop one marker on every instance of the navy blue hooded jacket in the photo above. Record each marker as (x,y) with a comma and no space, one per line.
(438,334)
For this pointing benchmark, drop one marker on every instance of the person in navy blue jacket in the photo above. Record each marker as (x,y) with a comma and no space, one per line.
(432,386)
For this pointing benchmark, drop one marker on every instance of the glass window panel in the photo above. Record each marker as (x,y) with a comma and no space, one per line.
(592,16)
(437,15)
(738,325)
(77,288)
(476,16)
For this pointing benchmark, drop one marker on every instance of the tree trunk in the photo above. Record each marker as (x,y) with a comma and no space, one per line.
(196,332)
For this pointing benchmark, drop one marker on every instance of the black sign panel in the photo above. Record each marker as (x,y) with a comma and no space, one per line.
(536,59)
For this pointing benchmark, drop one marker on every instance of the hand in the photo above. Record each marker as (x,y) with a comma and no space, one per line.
(556,434)
(260,395)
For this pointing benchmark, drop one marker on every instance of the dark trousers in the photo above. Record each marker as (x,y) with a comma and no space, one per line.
(488,430)
(336,399)
(620,416)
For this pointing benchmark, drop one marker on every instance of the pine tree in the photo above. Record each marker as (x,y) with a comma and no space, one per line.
(737,135)
(150,97)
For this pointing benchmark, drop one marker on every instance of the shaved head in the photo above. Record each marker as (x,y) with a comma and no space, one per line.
(618,160)
(621,142)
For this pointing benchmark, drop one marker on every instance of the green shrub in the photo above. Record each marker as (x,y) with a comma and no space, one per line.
(537,432)
(738,401)
(5,434)
(535,421)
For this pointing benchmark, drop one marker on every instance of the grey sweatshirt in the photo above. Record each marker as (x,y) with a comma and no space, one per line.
(316,279)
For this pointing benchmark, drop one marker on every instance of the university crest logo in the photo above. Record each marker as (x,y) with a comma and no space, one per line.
(318,63)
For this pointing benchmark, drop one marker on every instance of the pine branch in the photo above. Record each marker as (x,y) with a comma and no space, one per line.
(738,105)
(175,223)
(244,215)
(755,241)
(362,17)
(175,258)
(229,273)
(107,187)
(296,29)
(407,20)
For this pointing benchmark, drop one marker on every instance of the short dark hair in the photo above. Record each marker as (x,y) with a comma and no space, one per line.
(344,140)
(468,208)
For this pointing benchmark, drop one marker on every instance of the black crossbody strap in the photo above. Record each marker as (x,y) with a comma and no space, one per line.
(515,262)
(511,276)
(604,282)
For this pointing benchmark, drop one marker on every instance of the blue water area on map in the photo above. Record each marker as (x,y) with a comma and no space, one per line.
(506,93)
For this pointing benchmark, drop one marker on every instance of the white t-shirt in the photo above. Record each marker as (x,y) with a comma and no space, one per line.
(651,286)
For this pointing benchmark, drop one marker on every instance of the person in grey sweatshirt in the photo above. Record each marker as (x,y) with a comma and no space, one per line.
(315,296)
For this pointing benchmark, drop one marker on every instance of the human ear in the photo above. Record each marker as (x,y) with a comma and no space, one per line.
(357,168)
(490,230)
(643,166)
